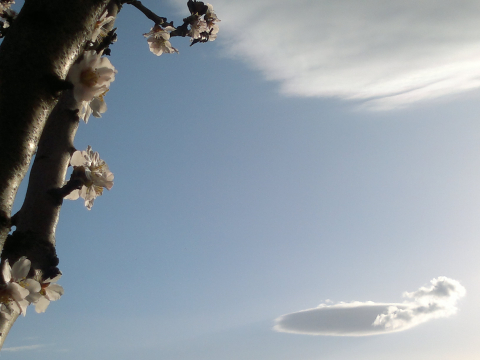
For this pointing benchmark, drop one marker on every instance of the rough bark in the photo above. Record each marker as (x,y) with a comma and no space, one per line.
(5,328)
(41,45)
(35,223)
(37,220)
(40,210)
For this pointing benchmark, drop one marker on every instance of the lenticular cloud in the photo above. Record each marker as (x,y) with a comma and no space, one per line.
(388,54)
(438,300)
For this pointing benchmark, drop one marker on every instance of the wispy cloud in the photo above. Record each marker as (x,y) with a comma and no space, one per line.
(368,318)
(23,348)
(387,53)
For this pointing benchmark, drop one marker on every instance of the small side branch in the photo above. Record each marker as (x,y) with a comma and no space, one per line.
(77,180)
(107,41)
(158,20)
(29,57)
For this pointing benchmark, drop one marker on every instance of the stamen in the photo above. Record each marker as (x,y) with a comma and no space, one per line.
(89,77)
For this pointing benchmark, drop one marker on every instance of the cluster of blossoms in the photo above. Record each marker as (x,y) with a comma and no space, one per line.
(159,40)
(203,28)
(94,175)
(19,291)
(5,5)
(6,13)
(91,78)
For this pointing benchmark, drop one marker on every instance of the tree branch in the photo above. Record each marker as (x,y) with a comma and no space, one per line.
(40,210)
(5,326)
(148,13)
(19,133)
(42,43)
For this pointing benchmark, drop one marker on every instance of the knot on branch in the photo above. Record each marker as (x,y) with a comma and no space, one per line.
(55,86)
(5,220)
(77,180)
(39,250)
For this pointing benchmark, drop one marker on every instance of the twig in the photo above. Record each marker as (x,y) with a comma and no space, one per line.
(158,20)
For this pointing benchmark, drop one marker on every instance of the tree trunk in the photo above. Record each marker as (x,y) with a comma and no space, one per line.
(35,56)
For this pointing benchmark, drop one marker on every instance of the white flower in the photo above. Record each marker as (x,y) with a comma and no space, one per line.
(99,32)
(159,40)
(5,5)
(212,31)
(200,27)
(17,287)
(50,291)
(97,174)
(91,78)
(96,107)
(211,18)
(197,27)
(210,14)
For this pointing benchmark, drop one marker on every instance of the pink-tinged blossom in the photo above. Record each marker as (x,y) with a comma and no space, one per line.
(159,40)
(50,291)
(91,78)
(97,174)
(17,287)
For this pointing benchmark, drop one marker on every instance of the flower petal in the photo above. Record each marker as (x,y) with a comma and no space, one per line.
(32,286)
(54,291)
(89,204)
(42,304)
(6,272)
(55,279)
(33,297)
(98,106)
(21,268)
(17,292)
(74,195)
(78,159)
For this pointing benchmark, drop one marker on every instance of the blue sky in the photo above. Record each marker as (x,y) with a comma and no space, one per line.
(315,153)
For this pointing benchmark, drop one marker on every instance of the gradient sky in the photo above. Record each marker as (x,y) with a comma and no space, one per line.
(317,152)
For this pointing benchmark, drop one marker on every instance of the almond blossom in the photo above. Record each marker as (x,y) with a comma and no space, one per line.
(204,29)
(50,291)
(99,32)
(211,18)
(5,5)
(6,14)
(197,28)
(97,176)
(17,287)
(159,40)
(91,78)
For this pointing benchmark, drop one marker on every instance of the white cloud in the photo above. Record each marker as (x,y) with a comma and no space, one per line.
(23,348)
(369,318)
(387,53)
